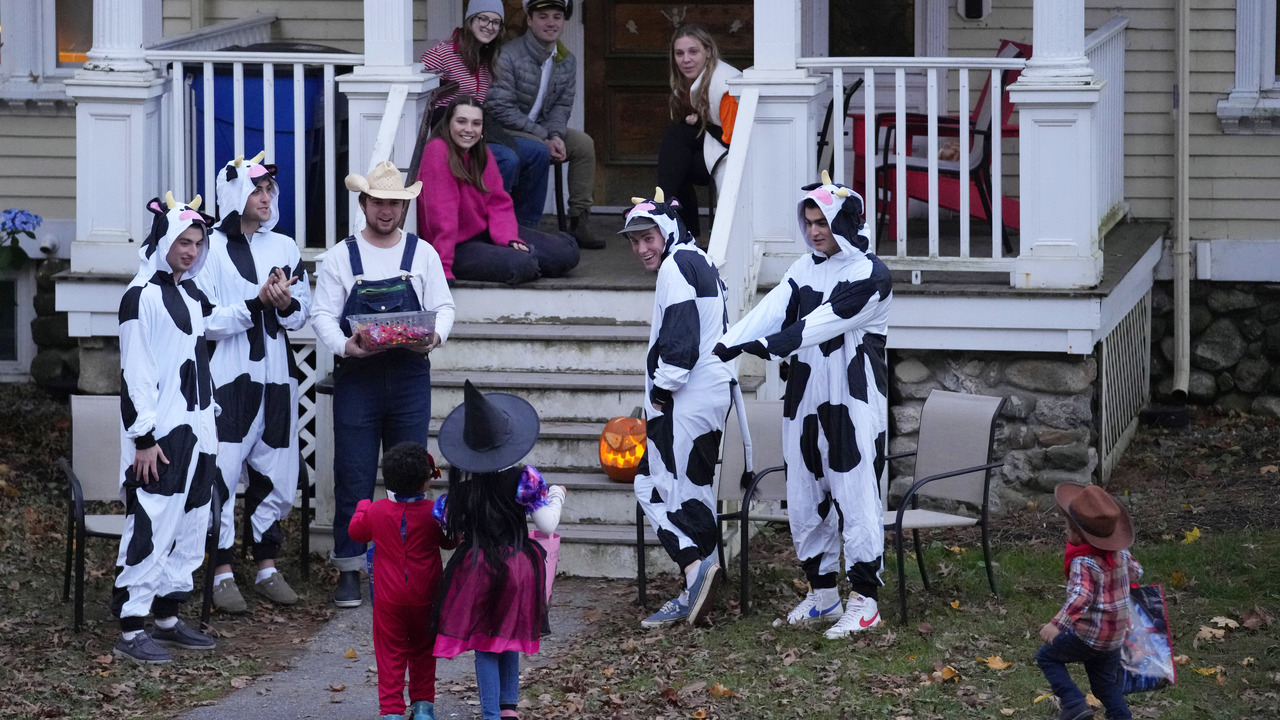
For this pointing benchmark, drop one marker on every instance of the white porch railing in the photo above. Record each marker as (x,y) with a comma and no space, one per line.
(243,31)
(182,144)
(882,76)
(1105,49)
(732,244)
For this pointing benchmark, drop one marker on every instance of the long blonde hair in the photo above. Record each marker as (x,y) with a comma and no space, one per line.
(701,100)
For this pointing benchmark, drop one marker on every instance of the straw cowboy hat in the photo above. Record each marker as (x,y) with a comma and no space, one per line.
(1103,522)
(488,431)
(385,182)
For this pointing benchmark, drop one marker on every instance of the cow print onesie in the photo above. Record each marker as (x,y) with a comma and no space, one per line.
(828,318)
(166,399)
(675,480)
(255,380)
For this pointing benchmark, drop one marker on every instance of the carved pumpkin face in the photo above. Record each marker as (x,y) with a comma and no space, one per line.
(621,447)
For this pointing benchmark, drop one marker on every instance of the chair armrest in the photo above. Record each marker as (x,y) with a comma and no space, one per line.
(898,456)
(911,493)
(755,483)
(77,494)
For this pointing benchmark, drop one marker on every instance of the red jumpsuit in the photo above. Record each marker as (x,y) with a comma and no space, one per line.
(406,570)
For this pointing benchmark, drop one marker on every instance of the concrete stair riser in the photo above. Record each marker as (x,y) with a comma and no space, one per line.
(553,354)
(564,305)
(581,405)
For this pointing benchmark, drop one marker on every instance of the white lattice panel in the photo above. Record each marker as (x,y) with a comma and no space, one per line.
(1125,383)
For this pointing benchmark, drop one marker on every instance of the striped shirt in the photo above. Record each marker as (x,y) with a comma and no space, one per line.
(445,60)
(1097,606)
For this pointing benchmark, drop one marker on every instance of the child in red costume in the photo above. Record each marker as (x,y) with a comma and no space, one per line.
(406,570)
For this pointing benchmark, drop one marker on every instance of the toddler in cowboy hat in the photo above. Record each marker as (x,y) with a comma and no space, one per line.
(1090,629)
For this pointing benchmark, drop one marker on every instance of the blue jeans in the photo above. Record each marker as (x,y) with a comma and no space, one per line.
(524,177)
(378,401)
(498,680)
(1102,667)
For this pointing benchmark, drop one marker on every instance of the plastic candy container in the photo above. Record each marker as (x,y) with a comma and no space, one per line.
(400,329)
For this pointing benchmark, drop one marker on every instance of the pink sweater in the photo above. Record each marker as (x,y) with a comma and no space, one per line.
(451,211)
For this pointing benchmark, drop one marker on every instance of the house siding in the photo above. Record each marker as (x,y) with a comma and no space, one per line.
(1235,179)
(336,23)
(38,162)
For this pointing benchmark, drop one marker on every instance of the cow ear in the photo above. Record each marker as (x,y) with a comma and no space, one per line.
(674,203)
(811,187)
(271,169)
(155,206)
(231,173)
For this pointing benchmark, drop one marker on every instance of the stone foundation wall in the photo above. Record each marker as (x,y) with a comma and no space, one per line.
(1046,433)
(1235,345)
(57,361)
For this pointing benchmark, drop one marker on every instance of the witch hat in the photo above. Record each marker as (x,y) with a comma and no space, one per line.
(488,431)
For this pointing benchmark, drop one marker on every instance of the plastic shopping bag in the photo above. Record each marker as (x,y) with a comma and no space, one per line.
(551,546)
(1147,655)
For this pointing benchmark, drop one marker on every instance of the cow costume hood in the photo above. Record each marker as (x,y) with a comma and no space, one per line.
(171,219)
(236,181)
(658,212)
(843,209)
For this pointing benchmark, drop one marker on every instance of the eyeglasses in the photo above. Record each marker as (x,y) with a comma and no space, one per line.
(485,22)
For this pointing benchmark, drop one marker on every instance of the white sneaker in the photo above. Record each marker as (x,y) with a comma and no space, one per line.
(808,611)
(860,613)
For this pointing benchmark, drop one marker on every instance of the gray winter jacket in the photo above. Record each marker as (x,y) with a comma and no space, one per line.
(516,87)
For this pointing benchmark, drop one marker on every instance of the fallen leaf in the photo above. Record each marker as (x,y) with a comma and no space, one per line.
(955,604)
(1178,579)
(947,673)
(1208,633)
(1256,618)
(1226,622)
(1092,701)
(718,690)
(1206,671)
(924,628)
(1267,469)
(350,654)
(1045,696)
(1181,660)
(607,672)
(1248,661)
(699,714)
(240,682)
(1006,711)
(1192,535)
(995,662)
(956,549)
(338,687)
(692,688)
(103,659)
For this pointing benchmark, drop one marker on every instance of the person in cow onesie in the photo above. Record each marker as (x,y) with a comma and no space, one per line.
(688,392)
(827,319)
(255,279)
(168,438)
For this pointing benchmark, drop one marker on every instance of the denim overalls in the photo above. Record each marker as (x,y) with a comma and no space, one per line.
(378,401)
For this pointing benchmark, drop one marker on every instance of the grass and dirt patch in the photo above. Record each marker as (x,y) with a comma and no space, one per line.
(1203,501)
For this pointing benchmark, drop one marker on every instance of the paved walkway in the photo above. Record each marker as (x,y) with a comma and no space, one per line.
(305,690)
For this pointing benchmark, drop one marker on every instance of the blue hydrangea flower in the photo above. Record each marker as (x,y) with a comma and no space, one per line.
(15,221)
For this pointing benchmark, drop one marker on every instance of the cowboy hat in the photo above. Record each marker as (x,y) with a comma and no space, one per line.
(1103,522)
(488,432)
(385,182)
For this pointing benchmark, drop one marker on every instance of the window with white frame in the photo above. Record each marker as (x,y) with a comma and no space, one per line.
(44,41)
(1253,106)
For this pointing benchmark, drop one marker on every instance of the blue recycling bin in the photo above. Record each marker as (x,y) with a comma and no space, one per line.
(254,133)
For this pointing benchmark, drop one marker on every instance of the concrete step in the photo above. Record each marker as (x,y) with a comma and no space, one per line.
(544,347)
(607,551)
(569,447)
(572,397)
(591,498)
(545,302)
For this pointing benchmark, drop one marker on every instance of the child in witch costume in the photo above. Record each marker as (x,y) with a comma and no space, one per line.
(406,570)
(1090,629)
(168,438)
(494,596)
(828,319)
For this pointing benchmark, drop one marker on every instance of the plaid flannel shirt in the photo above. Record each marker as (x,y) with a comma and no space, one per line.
(1097,606)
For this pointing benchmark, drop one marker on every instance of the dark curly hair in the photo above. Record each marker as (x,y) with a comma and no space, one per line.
(407,468)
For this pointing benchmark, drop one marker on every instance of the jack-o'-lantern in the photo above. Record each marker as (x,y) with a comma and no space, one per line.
(621,447)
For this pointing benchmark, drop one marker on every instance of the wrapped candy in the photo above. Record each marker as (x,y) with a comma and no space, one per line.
(400,329)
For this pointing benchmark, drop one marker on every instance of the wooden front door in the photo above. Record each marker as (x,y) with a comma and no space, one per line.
(627,86)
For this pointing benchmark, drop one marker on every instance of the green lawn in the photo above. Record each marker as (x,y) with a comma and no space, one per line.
(742,667)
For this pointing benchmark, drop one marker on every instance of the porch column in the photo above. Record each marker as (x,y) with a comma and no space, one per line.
(1059,245)
(117,96)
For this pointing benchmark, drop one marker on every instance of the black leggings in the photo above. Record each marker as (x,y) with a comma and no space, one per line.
(550,255)
(681,166)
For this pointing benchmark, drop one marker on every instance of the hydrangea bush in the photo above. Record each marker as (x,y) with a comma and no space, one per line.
(13,224)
